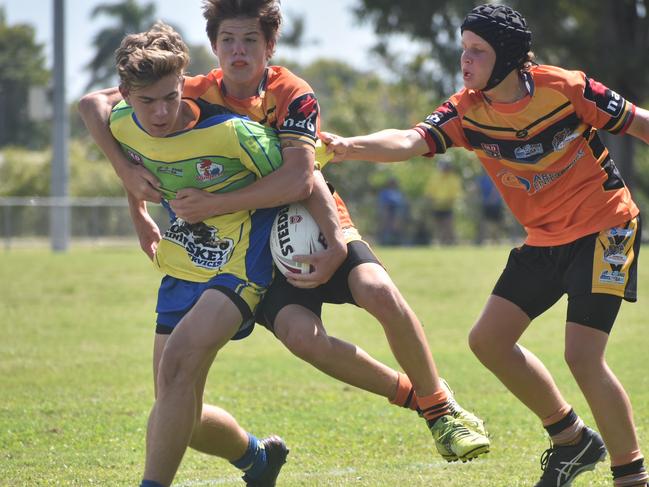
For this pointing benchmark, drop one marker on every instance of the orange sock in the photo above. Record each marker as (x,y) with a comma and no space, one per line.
(434,405)
(406,397)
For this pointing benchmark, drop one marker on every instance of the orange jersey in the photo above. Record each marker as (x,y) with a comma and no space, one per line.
(543,152)
(284,102)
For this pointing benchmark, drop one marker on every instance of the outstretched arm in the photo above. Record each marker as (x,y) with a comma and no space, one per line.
(95,109)
(390,145)
(639,127)
(293,181)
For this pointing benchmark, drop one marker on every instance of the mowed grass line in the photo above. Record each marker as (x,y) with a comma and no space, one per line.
(76,388)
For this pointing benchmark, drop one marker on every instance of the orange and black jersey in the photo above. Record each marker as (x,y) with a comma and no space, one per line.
(543,152)
(283,102)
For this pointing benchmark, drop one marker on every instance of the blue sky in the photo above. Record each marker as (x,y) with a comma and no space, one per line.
(328,22)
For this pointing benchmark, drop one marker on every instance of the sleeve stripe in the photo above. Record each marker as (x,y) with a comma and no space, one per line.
(261,148)
(437,136)
(432,146)
(630,115)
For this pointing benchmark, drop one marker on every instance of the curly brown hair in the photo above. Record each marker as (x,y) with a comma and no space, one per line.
(144,58)
(267,11)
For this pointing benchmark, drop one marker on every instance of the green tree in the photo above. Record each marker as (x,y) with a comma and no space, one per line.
(608,39)
(129,17)
(21,68)
(354,102)
(202,60)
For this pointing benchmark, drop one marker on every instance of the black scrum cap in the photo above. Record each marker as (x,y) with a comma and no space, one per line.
(506,31)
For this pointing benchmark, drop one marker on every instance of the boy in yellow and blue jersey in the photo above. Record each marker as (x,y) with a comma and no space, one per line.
(217,270)
(228,251)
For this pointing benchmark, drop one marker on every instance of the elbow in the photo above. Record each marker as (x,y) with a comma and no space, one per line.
(304,190)
(89,109)
(86,104)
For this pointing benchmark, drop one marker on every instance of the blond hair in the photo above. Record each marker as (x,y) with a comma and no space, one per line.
(145,58)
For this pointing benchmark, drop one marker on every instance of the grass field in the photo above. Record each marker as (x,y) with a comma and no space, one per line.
(75,379)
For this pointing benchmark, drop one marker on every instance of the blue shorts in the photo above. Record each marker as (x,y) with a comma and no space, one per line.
(176,297)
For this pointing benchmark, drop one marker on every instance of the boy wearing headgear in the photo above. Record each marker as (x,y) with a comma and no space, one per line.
(535,130)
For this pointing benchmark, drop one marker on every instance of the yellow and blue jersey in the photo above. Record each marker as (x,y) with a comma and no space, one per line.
(221,152)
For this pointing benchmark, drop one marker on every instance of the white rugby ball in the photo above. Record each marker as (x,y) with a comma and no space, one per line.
(294,232)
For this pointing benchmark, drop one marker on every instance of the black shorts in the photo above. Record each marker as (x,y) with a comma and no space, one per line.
(596,271)
(335,291)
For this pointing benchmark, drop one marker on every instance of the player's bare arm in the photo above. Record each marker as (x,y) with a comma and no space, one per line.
(391,145)
(293,181)
(95,109)
(639,127)
(147,230)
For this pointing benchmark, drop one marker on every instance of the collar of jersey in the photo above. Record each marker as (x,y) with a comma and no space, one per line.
(260,89)
(518,105)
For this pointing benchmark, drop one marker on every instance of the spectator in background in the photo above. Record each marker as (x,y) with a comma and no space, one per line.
(392,211)
(490,219)
(443,190)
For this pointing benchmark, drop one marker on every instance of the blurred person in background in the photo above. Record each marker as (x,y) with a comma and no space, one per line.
(392,209)
(443,190)
(490,222)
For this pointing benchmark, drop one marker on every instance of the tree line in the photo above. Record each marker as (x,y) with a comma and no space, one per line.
(608,39)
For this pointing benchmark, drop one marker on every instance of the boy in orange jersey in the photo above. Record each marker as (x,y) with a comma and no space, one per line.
(534,129)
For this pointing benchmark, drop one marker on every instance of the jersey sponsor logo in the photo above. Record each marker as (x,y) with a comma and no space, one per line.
(612,277)
(208,170)
(615,251)
(620,232)
(528,150)
(562,138)
(202,244)
(302,116)
(606,99)
(539,181)
(614,254)
(134,156)
(492,150)
(295,219)
(172,171)
(521,134)
(307,106)
(442,115)
(510,180)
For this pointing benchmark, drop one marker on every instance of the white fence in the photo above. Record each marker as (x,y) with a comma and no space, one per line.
(26,221)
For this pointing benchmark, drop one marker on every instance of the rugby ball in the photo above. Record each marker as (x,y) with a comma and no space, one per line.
(294,232)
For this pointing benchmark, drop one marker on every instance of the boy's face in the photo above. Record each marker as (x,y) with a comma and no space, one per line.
(157,106)
(477,61)
(243,52)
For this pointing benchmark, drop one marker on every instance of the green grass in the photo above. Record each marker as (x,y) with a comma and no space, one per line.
(75,379)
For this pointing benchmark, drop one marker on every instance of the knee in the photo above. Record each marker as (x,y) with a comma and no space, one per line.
(381,299)
(304,342)
(582,361)
(175,371)
(484,345)
(479,343)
